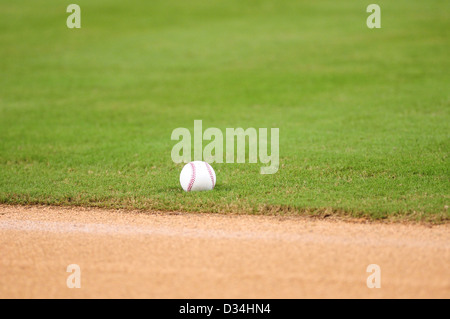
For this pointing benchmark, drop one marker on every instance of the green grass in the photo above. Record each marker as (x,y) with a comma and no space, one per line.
(86,115)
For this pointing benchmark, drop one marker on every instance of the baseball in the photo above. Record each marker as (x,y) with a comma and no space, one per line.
(197,176)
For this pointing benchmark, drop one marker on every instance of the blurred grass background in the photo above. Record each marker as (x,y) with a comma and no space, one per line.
(86,114)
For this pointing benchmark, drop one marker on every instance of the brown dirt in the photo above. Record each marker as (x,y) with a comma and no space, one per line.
(125,254)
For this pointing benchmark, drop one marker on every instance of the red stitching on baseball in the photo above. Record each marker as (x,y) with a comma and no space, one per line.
(208,167)
(191,182)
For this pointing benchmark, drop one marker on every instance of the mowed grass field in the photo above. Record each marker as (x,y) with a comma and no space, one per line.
(86,115)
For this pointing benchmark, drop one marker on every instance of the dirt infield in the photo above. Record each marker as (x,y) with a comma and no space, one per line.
(173,255)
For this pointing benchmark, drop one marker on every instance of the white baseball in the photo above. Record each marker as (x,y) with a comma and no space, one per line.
(197,176)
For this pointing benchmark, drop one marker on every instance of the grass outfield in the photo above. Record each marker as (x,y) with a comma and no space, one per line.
(86,115)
